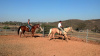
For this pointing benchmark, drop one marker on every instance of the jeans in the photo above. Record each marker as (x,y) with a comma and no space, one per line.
(29,27)
(61,30)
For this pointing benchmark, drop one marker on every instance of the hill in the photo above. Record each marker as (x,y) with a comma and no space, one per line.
(89,24)
(75,23)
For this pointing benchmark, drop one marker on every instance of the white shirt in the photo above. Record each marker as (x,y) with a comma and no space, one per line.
(59,24)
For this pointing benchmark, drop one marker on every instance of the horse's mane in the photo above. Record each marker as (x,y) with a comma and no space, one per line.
(35,25)
(67,26)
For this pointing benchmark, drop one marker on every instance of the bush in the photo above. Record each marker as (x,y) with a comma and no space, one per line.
(81,26)
(6,27)
(47,28)
(96,29)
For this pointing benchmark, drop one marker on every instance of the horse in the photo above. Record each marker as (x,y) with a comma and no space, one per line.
(22,29)
(56,30)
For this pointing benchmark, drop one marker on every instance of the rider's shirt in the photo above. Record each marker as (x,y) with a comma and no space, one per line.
(29,23)
(59,25)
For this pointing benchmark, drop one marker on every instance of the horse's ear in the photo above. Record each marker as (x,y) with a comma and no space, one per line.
(38,24)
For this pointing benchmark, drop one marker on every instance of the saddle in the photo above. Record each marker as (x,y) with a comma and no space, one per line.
(27,27)
(60,29)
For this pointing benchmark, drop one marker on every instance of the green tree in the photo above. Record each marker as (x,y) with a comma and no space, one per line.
(81,26)
(96,29)
(6,27)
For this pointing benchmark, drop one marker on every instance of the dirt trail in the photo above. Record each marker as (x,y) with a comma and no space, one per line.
(14,46)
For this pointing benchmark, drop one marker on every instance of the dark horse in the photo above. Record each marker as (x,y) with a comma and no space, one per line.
(22,29)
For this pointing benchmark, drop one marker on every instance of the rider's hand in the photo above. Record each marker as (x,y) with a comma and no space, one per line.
(31,24)
(61,26)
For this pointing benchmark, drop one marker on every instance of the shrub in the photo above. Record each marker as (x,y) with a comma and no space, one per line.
(6,27)
(81,26)
(96,29)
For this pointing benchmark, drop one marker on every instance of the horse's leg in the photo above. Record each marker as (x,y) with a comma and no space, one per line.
(23,33)
(63,37)
(32,33)
(53,36)
(50,36)
(20,34)
(50,33)
(66,37)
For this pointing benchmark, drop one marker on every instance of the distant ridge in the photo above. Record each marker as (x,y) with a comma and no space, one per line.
(90,24)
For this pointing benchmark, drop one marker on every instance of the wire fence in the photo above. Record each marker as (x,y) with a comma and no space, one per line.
(86,34)
(8,31)
(83,35)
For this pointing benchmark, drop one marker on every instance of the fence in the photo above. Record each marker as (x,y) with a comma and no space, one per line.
(8,31)
(84,35)
(87,35)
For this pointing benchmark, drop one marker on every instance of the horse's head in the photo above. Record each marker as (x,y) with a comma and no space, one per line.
(71,29)
(38,26)
(68,29)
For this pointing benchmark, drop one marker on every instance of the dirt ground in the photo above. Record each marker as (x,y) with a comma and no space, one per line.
(13,45)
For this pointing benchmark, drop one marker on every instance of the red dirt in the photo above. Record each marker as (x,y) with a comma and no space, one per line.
(13,45)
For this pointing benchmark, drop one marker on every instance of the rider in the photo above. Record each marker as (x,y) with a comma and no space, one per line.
(60,26)
(29,25)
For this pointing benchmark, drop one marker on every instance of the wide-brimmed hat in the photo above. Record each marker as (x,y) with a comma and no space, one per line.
(60,21)
(29,19)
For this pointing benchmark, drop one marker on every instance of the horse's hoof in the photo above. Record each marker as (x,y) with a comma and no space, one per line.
(49,39)
(66,40)
(69,39)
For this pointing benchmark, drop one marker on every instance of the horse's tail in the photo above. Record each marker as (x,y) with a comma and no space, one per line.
(19,30)
(50,32)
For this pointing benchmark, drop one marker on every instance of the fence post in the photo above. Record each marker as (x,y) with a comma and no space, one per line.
(87,36)
(43,32)
(5,32)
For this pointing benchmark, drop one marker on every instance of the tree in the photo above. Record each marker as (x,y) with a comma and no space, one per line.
(95,29)
(6,27)
(80,26)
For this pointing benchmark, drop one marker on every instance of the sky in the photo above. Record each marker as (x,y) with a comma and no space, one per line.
(48,10)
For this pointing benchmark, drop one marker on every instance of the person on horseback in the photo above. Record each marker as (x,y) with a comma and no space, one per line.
(29,25)
(60,27)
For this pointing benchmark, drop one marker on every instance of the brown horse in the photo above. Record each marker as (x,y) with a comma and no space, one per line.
(22,29)
(56,30)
